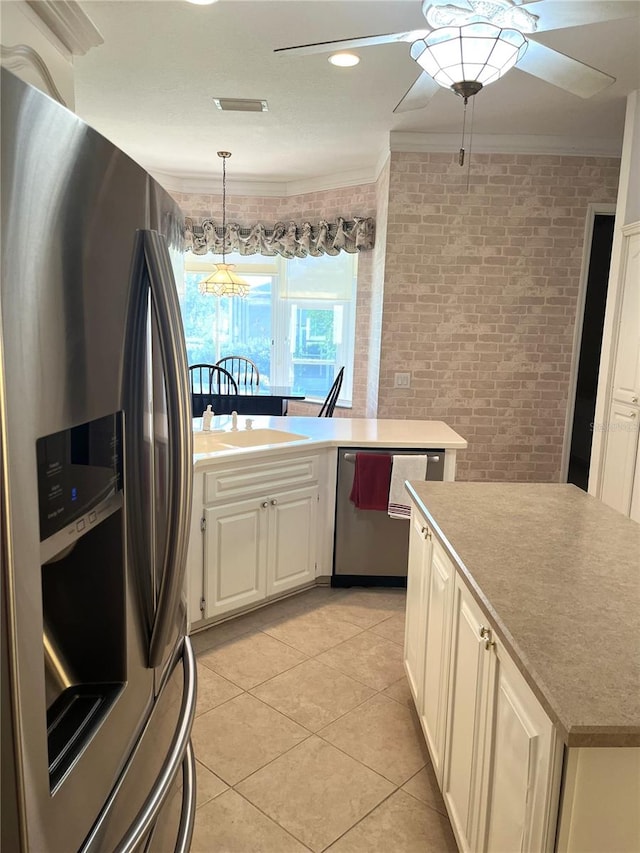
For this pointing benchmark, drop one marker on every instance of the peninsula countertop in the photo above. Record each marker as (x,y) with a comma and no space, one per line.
(558,573)
(336,432)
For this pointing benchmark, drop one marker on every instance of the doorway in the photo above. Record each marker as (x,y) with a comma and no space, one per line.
(586,377)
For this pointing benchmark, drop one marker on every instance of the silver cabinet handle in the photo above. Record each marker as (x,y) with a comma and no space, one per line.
(274,502)
(174,362)
(264,504)
(634,399)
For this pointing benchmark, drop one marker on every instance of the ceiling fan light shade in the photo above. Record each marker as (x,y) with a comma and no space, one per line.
(477,52)
(224,282)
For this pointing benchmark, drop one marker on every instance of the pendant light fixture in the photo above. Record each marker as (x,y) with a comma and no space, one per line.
(464,59)
(224,281)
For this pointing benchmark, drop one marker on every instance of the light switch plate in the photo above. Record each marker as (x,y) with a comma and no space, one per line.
(402,380)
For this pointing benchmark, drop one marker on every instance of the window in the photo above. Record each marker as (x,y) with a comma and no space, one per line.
(297,322)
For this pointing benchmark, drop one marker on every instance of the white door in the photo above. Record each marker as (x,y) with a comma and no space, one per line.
(433,709)
(293,522)
(626,381)
(468,692)
(235,555)
(621,447)
(414,636)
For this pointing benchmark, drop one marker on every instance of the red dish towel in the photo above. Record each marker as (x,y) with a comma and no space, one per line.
(371,481)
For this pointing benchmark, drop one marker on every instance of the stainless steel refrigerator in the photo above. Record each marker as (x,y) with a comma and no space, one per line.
(98,678)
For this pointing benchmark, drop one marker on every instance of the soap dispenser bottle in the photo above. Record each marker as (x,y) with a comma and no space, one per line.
(206,419)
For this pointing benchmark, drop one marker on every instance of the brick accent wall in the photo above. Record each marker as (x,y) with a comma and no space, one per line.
(480,298)
(473,290)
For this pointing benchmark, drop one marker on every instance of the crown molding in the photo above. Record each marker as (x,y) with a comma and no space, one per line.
(191,183)
(508,144)
(68,23)
(18,56)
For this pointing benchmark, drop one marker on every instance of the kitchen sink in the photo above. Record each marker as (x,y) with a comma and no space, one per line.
(258,437)
(209,442)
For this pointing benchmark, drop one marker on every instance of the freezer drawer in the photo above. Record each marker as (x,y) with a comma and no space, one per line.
(369,547)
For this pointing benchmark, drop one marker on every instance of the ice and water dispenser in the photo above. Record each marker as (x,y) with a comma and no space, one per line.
(82,546)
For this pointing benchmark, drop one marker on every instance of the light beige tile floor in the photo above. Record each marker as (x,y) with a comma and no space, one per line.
(306,737)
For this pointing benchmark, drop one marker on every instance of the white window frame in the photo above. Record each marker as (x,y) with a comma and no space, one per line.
(281,355)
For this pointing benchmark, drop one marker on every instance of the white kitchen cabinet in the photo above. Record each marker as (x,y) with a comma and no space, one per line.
(494,750)
(258,533)
(235,556)
(471,670)
(518,800)
(432,710)
(418,567)
(620,459)
(292,537)
(258,547)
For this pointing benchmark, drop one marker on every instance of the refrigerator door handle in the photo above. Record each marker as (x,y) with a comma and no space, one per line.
(187,819)
(178,753)
(180,474)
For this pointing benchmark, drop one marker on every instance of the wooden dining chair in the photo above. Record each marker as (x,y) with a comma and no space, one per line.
(211,379)
(243,370)
(332,397)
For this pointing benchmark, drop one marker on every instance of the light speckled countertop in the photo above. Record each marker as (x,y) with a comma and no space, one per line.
(333,432)
(558,573)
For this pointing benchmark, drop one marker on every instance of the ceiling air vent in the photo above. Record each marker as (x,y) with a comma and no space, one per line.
(241,105)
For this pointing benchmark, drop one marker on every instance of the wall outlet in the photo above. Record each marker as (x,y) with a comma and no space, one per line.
(402,380)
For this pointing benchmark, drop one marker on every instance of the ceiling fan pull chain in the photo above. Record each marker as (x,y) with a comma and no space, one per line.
(464,120)
(473,109)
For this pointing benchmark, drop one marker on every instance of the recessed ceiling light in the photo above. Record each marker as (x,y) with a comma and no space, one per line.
(344,60)
(202,2)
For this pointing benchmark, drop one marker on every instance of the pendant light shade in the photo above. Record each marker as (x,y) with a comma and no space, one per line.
(467,58)
(224,281)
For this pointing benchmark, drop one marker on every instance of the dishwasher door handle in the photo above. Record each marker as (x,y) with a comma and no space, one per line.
(351,457)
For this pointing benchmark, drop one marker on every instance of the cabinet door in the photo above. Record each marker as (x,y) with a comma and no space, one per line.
(522,780)
(626,381)
(414,636)
(621,447)
(293,523)
(469,686)
(439,600)
(235,555)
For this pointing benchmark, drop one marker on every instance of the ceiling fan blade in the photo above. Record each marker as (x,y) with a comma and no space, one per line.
(353,44)
(419,94)
(563,71)
(558,14)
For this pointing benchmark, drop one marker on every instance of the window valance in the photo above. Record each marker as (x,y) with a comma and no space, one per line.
(289,239)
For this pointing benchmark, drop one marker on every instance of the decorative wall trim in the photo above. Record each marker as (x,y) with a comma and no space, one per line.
(19,56)
(290,239)
(69,23)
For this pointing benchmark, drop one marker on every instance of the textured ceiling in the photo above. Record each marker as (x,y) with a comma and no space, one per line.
(150,86)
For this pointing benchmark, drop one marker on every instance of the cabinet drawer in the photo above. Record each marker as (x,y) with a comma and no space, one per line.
(243,480)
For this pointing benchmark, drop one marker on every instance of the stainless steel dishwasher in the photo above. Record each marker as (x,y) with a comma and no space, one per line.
(371,549)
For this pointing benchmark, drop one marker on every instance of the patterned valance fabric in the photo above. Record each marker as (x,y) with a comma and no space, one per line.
(288,239)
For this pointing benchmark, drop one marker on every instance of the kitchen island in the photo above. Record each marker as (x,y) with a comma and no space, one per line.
(534,592)
(264,498)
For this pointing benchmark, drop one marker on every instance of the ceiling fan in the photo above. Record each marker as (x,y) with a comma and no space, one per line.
(447,20)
